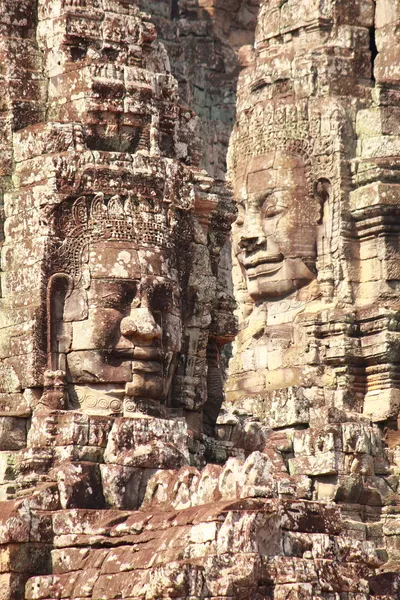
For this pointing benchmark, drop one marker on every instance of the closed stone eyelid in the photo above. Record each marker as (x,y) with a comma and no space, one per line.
(115,295)
(277,206)
(114,299)
(115,305)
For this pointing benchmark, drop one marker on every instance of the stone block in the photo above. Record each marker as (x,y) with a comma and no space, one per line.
(286,407)
(302,591)
(203,533)
(12,586)
(80,485)
(147,443)
(207,488)
(41,587)
(230,479)
(335,577)
(158,488)
(7,466)
(99,430)
(12,433)
(382,405)
(387,13)
(257,477)
(25,558)
(124,487)
(15,522)
(323,463)
(385,584)
(356,438)
(183,490)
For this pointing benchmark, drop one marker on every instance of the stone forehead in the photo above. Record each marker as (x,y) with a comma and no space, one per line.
(275,160)
(272,170)
(111,260)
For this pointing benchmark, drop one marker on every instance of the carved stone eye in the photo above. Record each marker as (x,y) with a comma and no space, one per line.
(120,299)
(274,205)
(115,301)
(159,297)
(272,211)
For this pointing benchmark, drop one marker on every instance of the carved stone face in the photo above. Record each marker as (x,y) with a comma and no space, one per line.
(274,236)
(123,341)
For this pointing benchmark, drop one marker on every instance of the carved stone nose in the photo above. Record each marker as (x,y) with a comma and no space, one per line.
(250,242)
(140,324)
(252,234)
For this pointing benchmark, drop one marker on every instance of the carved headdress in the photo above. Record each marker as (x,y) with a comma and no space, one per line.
(93,219)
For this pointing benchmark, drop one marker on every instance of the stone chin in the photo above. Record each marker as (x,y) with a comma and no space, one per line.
(117,373)
(265,284)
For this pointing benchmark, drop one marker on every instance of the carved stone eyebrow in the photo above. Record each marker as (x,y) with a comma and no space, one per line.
(113,294)
(260,197)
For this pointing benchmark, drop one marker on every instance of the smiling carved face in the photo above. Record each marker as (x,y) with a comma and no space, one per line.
(274,236)
(123,347)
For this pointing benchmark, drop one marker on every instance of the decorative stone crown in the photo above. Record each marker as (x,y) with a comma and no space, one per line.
(140,221)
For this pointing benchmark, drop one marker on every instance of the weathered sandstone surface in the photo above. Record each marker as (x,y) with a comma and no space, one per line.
(126,471)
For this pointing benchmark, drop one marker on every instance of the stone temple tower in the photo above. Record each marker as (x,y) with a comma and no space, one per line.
(106,213)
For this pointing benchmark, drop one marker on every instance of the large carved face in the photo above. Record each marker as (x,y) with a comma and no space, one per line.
(119,329)
(274,236)
(126,343)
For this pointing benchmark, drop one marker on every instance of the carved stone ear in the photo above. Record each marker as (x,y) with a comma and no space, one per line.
(59,287)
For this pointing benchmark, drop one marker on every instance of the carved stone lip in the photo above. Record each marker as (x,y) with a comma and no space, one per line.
(145,353)
(263,265)
(261,259)
(266,269)
(147,366)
